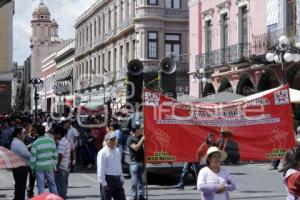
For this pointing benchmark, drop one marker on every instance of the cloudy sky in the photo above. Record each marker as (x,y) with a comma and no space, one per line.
(65,12)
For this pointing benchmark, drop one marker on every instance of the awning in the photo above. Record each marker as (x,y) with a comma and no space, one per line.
(64,75)
(92,108)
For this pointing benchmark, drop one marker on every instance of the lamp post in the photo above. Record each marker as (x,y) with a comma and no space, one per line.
(283,52)
(35,83)
(202,77)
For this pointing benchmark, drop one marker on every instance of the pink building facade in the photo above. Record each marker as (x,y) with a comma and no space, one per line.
(229,40)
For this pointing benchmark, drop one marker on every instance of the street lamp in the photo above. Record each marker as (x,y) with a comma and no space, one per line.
(35,83)
(284,52)
(202,77)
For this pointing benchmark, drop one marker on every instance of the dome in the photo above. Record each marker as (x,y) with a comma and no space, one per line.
(41,9)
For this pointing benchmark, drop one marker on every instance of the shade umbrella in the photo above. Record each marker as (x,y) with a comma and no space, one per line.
(47,196)
(10,160)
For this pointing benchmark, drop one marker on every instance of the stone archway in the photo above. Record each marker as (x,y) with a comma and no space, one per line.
(225,85)
(208,89)
(268,80)
(245,86)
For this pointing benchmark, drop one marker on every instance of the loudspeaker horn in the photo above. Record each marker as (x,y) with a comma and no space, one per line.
(135,67)
(167,65)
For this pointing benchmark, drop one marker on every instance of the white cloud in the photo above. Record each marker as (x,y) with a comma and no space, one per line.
(65,12)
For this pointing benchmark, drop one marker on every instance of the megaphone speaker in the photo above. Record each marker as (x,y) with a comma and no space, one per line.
(135,67)
(167,65)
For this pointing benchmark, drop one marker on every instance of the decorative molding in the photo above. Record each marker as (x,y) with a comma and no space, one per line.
(241,3)
(192,3)
(223,8)
(208,14)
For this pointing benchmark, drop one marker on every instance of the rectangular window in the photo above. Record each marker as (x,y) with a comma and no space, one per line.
(244,25)
(152,2)
(224,31)
(173,45)
(172,4)
(153,45)
(121,56)
(108,61)
(109,20)
(133,49)
(208,36)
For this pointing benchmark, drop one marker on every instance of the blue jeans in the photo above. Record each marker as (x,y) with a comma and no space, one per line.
(137,172)
(40,180)
(61,180)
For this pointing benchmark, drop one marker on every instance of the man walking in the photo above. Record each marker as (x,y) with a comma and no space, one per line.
(109,170)
(43,160)
(137,166)
(20,173)
(64,154)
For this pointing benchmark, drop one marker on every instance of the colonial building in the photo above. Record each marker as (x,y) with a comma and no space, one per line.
(63,86)
(113,32)
(230,41)
(6,63)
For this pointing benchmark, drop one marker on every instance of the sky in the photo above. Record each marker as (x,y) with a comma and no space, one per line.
(65,12)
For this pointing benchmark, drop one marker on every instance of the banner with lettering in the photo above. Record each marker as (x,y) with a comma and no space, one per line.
(257,127)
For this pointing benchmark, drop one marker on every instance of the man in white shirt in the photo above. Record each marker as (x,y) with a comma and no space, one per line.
(72,132)
(109,170)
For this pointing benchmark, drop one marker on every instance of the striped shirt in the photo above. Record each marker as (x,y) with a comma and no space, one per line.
(64,149)
(43,154)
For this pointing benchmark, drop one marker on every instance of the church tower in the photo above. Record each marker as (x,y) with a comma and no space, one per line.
(44,36)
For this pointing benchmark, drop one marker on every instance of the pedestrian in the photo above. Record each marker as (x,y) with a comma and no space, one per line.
(43,160)
(229,145)
(291,173)
(115,128)
(30,138)
(135,143)
(20,174)
(209,142)
(188,167)
(72,135)
(214,181)
(63,163)
(90,147)
(109,170)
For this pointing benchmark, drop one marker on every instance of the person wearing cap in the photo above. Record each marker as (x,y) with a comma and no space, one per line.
(214,181)
(135,144)
(109,170)
(227,144)
(291,173)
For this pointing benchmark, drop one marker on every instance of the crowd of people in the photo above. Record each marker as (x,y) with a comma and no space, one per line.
(53,148)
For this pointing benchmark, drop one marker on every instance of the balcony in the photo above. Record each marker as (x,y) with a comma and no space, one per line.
(230,55)
(150,11)
(262,43)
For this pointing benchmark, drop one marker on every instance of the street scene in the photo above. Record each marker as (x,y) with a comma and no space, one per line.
(85,185)
(149,99)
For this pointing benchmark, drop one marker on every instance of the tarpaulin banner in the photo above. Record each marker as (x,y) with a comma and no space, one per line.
(260,126)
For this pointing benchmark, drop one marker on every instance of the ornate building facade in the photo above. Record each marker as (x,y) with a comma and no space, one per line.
(113,32)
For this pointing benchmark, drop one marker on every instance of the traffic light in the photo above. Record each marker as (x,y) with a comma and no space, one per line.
(135,81)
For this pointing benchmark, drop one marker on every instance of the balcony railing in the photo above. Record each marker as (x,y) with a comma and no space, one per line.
(149,11)
(262,43)
(153,65)
(232,54)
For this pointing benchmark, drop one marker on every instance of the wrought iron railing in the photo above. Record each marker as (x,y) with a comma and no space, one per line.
(262,43)
(232,54)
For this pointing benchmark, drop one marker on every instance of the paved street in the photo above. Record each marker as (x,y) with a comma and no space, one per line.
(254,181)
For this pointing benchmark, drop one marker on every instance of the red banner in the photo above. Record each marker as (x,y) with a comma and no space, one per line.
(260,125)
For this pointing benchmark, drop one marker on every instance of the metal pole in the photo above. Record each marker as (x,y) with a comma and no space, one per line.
(35,102)
(282,69)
